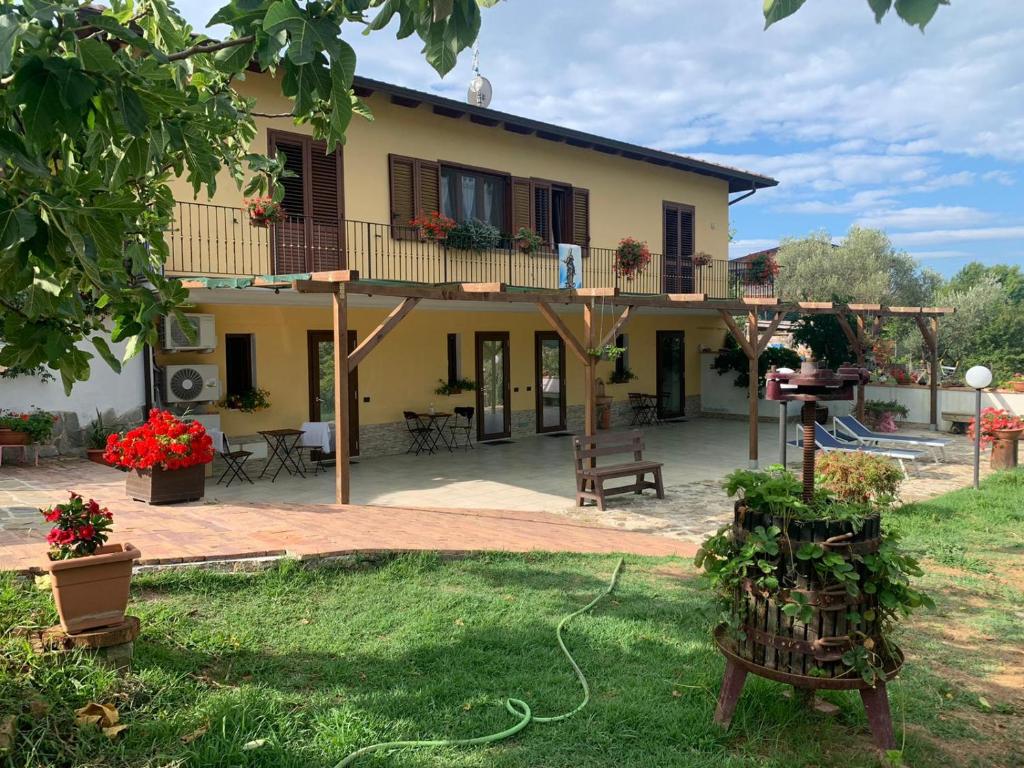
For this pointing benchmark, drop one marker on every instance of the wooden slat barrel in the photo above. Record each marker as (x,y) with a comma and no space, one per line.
(772,639)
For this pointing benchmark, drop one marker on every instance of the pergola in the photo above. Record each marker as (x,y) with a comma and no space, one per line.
(341,284)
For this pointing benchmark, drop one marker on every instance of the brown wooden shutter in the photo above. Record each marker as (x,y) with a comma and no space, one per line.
(678,248)
(522,204)
(294,201)
(428,187)
(542,210)
(402,174)
(325,208)
(581,217)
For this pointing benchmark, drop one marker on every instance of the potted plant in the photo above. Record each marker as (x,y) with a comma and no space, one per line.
(23,428)
(623,376)
(701,259)
(1017,382)
(811,591)
(1002,430)
(264,211)
(527,241)
(456,387)
(250,401)
(165,458)
(883,414)
(474,235)
(89,579)
(631,258)
(433,226)
(96,439)
(608,352)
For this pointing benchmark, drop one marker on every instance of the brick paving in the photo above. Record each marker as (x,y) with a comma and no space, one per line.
(227,531)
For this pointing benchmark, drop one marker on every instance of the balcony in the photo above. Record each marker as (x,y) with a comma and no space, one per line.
(219,241)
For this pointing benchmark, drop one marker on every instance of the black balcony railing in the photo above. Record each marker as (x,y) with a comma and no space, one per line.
(221,241)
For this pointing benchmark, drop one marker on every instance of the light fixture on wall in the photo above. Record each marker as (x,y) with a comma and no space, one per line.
(978,378)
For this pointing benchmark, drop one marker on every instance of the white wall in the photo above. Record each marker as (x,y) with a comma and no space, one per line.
(719,395)
(104,389)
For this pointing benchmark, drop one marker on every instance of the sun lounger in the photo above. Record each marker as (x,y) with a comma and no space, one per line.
(851,427)
(828,442)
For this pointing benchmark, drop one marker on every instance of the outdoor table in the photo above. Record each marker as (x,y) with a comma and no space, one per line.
(283,445)
(437,422)
(649,412)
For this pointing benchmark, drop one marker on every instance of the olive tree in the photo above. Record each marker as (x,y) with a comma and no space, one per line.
(101,107)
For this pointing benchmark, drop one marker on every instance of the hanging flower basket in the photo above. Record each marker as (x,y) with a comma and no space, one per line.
(263,211)
(527,241)
(165,457)
(433,226)
(701,259)
(763,269)
(631,258)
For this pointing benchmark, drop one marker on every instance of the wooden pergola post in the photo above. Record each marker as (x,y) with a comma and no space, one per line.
(857,343)
(755,414)
(342,481)
(930,332)
(590,374)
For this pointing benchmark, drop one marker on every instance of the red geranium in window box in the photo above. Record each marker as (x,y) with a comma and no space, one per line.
(433,226)
(631,258)
(165,457)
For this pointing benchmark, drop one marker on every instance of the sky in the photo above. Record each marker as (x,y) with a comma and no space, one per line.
(921,135)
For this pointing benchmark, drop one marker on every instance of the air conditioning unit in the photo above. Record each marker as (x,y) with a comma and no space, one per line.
(191,383)
(174,339)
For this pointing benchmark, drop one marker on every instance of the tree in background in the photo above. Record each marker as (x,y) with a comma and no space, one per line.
(101,107)
(917,13)
(732,359)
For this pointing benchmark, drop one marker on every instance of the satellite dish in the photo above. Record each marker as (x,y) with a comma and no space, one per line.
(480,91)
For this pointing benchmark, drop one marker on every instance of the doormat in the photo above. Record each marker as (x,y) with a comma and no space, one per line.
(558,434)
(497,442)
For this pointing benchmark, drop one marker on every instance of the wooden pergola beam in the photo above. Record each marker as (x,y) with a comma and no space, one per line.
(563,331)
(737,334)
(766,338)
(377,335)
(620,324)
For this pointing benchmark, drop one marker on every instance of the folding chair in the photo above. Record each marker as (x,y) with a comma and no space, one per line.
(463,423)
(235,461)
(419,432)
(644,410)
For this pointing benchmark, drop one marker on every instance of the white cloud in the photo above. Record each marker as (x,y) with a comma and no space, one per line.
(945,236)
(915,218)
(939,255)
(1004,178)
(743,247)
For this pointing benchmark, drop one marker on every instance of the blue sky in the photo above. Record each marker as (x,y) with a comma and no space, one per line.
(918,134)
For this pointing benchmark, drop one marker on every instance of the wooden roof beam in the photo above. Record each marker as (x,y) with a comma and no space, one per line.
(760,301)
(482,287)
(563,331)
(357,355)
(740,336)
(617,328)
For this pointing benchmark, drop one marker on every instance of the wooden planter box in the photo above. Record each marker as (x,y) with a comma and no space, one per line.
(14,437)
(92,591)
(162,486)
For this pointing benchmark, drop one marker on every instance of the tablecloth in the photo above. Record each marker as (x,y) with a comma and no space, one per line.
(318,434)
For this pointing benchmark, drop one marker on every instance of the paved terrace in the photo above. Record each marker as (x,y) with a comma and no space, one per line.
(515,497)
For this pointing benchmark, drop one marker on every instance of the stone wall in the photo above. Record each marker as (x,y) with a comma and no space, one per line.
(70,432)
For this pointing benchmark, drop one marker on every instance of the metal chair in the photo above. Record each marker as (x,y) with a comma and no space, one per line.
(463,423)
(235,461)
(645,410)
(419,432)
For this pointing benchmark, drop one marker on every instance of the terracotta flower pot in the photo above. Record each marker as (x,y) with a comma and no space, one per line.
(14,437)
(166,486)
(1018,386)
(92,591)
(95,455)
(1005,444)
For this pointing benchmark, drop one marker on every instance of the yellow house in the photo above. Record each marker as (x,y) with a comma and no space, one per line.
(498,177)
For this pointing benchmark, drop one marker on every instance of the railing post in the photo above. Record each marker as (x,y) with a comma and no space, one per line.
(369,250)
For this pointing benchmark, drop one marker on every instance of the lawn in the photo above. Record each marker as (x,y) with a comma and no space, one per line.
(304,666)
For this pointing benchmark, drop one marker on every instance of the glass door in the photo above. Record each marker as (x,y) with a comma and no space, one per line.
(549,382)
(671,372)
(321,384)
(492,393)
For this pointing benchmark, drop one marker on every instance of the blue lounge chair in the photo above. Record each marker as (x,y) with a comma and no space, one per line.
(850,426)
(828,442)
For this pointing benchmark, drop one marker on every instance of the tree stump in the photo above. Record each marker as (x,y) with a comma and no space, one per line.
(112,646)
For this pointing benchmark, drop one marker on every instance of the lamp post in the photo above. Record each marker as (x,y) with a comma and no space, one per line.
(978,378)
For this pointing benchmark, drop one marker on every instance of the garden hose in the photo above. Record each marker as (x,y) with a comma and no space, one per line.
(516,707)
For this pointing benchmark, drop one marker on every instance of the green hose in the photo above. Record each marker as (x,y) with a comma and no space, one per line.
(516,707)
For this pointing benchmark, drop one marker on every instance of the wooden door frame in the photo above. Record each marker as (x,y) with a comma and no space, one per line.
(480,338)
(539,338)
(682,372)
(313,338)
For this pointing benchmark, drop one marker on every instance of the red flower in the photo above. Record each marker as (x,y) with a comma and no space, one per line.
(51,515)
(163,441)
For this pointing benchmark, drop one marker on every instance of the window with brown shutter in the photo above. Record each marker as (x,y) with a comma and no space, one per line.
(522,204)
(678,247)
(415,189)
(311,237)
(541,192)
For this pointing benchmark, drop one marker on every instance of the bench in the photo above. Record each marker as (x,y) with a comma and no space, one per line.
(958,422)
(590,478)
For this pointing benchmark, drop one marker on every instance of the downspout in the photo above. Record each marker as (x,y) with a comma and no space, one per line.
(147,380)
(744,196)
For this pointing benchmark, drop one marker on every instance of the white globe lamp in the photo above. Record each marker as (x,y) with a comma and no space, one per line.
(978,378)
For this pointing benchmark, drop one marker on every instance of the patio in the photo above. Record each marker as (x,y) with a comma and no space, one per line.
(517,495)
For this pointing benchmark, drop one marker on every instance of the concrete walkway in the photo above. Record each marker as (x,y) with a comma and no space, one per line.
(210,531)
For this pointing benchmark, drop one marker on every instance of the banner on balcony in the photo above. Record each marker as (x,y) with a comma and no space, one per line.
(570,266)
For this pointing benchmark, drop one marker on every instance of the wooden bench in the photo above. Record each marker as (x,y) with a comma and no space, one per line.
(590,478)
(958,422)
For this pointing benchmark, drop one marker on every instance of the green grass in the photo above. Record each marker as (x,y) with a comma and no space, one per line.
(320,662)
